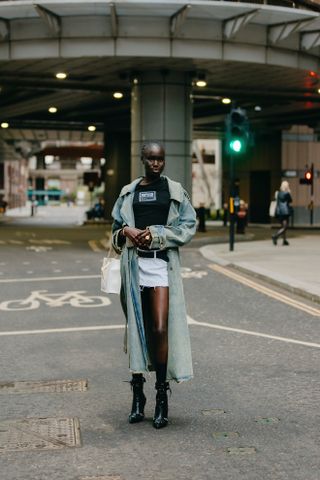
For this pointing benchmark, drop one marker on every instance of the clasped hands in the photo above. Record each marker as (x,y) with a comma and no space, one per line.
(139,238)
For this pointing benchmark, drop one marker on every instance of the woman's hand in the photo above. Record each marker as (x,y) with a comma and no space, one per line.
(145,237)
(134,235)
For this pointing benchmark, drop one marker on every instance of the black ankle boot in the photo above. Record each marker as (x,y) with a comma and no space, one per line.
(138,401)
(160,418)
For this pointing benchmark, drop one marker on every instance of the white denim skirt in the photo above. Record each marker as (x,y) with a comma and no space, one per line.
(153,272)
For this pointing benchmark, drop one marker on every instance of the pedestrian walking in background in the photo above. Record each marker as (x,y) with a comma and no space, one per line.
(153,217)
(283,212)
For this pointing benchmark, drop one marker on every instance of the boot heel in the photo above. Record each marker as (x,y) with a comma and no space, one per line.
(139,400)
(160,418)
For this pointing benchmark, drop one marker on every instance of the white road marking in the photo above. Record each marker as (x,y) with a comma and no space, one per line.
(29,271)
(39,249)
(57,271)
(267,291)
(41,279)
(62,330)
(191,321)
(49,242)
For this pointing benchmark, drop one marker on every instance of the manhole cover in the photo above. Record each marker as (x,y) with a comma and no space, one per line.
(267,420)
(103,477)
(222,435)
(45,386)
(213,411)
(39,434)
(241,450)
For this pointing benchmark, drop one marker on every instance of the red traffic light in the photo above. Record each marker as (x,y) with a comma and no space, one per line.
(308,176)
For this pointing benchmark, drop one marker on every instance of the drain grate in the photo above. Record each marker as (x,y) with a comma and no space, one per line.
(44,386)
(39,434)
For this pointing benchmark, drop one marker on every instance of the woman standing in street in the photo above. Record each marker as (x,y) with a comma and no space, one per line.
(153,217)
(283,212)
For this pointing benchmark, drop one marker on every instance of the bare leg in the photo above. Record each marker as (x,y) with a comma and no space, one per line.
(155,307)
(159,303)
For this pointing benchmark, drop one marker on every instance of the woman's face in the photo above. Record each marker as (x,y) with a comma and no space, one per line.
(154,161)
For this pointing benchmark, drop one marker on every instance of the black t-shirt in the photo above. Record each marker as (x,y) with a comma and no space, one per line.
(151,203)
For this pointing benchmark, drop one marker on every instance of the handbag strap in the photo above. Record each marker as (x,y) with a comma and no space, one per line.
(111,250)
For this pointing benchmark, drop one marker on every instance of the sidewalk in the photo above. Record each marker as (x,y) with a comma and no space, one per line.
(295,268)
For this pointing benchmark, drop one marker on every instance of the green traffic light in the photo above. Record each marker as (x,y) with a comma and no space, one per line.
(236,145)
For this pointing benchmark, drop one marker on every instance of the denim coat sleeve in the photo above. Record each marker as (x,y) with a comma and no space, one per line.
(179,231)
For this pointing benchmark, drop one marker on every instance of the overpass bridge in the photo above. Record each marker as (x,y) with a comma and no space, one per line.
(264,57)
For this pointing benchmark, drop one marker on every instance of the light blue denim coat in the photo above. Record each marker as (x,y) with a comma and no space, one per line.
(180,228)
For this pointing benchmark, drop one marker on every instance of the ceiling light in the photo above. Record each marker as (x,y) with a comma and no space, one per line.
(92,128)
(226,100)
(318,90)
(4,125)
(61,75)
(257,108)
(52,110)
(201,83)
(118,95)
(201,80)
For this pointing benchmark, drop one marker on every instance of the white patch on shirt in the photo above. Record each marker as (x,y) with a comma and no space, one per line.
(147,196)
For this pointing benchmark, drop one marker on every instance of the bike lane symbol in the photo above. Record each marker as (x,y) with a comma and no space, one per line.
(78,299)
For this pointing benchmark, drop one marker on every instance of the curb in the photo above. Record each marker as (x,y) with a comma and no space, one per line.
(289,288)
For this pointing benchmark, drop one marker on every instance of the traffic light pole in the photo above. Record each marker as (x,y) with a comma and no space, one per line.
(311,191)
(231,204)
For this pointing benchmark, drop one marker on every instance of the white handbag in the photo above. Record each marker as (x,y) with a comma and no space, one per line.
(272,208)
(110,274)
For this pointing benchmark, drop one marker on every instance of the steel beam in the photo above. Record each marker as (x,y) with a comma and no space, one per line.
(232,26)
(310,40)
(114,20)
(4,29)
(281,31)
(51,19)
(178,19)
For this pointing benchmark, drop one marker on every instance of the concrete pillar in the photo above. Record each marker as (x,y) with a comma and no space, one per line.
(116,170)
(161,110)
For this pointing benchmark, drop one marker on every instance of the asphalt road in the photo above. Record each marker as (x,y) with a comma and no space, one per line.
(250,413)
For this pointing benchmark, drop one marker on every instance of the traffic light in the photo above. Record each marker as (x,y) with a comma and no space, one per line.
(92,180)
(237,131)
(307,176)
